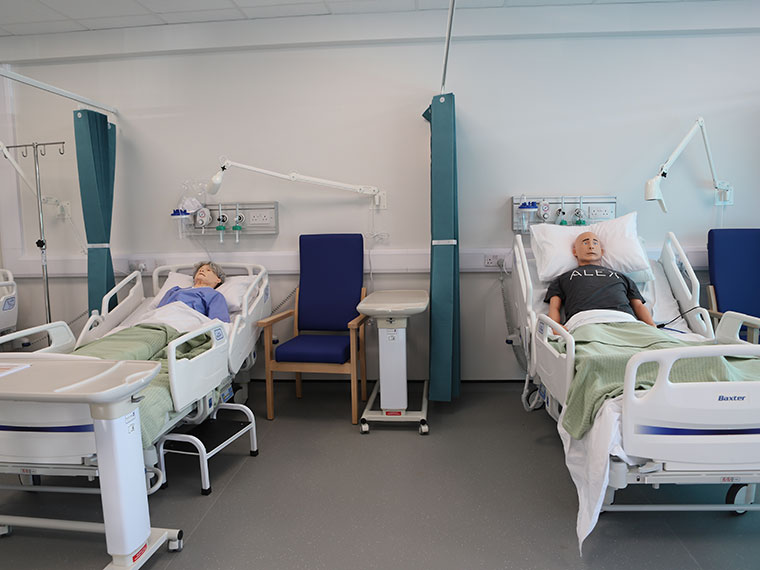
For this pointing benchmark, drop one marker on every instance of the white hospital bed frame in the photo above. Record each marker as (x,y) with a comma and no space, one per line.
(8,301)
(192,381)
(685,433)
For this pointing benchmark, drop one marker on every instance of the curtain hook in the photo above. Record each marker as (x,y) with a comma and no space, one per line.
(43,149)
(60,148)
(24,152)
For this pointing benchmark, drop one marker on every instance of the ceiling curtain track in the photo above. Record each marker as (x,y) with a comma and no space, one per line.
(96,161)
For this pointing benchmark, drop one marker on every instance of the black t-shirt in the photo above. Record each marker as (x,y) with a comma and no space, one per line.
(593,287)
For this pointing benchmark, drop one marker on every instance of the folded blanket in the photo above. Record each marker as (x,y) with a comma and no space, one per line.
(148,342)
(602,352)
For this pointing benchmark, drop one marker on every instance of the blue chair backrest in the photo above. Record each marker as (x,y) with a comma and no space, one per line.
(330,287)
(733,256)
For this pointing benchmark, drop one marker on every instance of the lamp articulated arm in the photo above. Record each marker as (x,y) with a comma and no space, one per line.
(724,191)
(216,181)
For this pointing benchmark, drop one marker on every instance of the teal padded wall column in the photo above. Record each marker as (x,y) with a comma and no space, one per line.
(96,161)
(445,364)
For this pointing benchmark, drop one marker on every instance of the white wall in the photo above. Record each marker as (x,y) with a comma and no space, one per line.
(564,100)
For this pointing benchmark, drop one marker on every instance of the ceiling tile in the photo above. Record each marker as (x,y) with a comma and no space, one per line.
(26,11)
(369,6)
(162,6)
(77,9)
(203,16)
(444,4)
(518,3)
(285,10)
(121,22)
(259,3)
(34,28)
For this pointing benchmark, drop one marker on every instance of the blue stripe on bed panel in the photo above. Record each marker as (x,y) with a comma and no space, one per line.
(657,430)
(51,429)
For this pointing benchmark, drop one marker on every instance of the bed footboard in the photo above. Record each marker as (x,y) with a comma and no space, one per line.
(697,425)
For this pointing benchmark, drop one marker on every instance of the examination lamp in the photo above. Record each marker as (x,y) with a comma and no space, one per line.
(216,181)
(724,191)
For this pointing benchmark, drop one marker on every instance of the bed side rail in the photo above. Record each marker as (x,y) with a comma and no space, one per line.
(108,320)
(524,301)
(730,324)
(8,300)
(244,332)
(191,379)
(674,261)
(554,369)
(60,338)
(701,423)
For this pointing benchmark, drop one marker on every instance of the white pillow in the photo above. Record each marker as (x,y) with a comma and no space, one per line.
(174,279)
(233,290)
(552,246)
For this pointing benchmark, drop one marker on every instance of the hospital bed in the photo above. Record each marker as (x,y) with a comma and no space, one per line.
(700,432)
(8,302)
(60,436)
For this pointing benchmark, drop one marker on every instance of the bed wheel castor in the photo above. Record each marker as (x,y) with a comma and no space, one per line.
(738,493)
(424,428)
(364,427)
(5,530)
(177,545)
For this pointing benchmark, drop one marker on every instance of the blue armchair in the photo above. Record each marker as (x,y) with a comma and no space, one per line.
(328,331)
(732,255)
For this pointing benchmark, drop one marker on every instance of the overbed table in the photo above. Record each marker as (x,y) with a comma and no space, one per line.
(108,387)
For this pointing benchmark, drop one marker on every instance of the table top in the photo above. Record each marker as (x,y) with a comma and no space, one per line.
(394,303)
(47,377)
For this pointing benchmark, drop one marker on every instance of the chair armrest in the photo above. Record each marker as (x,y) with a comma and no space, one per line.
(269,321)
(714,314)
(357,322)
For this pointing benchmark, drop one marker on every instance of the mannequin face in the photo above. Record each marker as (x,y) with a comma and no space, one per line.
(587,249)
(205,277)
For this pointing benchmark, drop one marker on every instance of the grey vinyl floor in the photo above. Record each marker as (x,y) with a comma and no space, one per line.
(486,489)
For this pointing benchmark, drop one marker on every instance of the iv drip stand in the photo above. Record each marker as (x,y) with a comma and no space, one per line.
(41,244)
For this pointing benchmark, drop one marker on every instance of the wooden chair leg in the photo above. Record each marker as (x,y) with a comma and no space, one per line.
(270,393)
(299,386)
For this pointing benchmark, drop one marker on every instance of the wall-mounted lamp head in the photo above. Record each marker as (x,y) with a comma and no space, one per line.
(213,186)
(653,191)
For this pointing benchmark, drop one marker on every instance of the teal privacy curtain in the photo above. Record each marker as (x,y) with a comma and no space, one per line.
(96,160)
(445,372)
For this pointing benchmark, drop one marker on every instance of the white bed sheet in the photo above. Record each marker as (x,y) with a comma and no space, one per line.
(177,314)
(588,459)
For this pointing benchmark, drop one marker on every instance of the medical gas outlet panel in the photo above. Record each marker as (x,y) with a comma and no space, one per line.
(561,210)
(248,218)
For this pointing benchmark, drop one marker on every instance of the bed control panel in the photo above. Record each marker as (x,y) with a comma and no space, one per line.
(561,210)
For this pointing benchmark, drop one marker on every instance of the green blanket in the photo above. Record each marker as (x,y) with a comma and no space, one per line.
(148,342)
(602,352)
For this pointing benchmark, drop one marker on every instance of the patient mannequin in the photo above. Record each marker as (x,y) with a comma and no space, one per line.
(202,295)
(592,286)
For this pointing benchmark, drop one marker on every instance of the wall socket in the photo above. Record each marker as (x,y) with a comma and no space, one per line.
(493,260)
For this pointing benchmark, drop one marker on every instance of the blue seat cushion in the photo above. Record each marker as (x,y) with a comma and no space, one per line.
(334,349)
